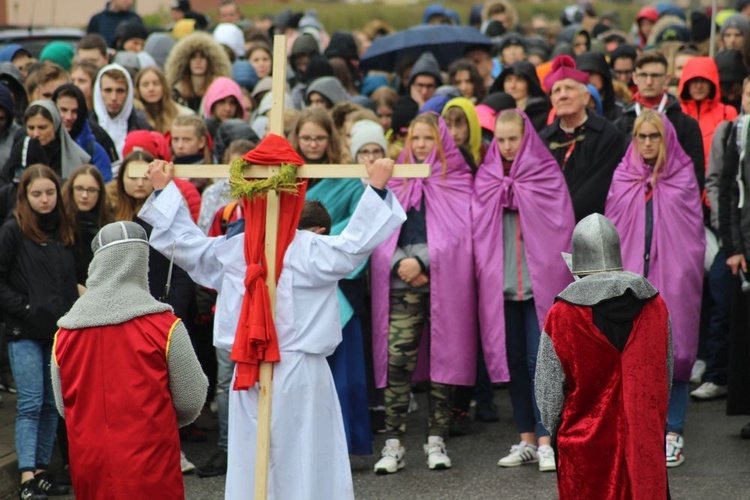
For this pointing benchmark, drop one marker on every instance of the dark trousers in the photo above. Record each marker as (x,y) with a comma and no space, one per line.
(720,285)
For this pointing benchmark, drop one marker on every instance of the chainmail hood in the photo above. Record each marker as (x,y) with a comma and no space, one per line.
(118,280)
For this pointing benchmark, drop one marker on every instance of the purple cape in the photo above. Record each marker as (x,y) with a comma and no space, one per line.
(678,242)
(535,186)
(452,328)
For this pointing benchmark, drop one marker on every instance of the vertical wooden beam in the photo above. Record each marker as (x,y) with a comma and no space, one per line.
(265,384)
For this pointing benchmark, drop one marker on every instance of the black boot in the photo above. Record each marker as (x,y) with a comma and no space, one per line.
(216,466)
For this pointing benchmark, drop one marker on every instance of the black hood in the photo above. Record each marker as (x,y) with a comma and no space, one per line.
(232,130)
(11,77)
(317,68)
(596,62)
(525,70)
(83,111)
(342,45)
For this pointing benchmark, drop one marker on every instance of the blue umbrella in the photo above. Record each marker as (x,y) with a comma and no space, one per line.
(446,42)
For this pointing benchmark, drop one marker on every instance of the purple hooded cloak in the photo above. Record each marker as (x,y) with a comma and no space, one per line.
(536,188)
(452,325)
(678,242)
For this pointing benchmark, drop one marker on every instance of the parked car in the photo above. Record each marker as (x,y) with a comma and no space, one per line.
(34,38)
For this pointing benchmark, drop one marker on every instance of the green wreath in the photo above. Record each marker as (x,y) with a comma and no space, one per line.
(285,181)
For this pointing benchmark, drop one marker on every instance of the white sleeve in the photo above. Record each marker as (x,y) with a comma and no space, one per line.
(172,225)
(331,258)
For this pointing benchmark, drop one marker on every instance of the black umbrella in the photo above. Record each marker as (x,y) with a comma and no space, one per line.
(447,43)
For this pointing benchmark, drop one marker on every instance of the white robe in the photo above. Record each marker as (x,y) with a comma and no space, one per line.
(309,457)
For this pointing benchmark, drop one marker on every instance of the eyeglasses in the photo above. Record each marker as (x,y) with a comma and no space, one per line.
(373,154)
(81,190)
(306,139)
(655,137)
(425,86)
(623,72)
(652,76)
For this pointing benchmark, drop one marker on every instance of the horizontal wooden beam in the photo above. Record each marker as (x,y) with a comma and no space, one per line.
(421,170)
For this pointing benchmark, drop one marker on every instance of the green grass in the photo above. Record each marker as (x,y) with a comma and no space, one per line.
(343,16)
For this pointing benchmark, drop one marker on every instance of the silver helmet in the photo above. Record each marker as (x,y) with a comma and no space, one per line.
(117,233)
(596,246)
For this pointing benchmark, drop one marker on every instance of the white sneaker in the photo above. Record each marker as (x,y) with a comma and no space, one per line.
(699,368)
(413,406)
(437,456)
(709,390)
(520,454)
(391,457)
(546,459)
(675,456)
(186,465)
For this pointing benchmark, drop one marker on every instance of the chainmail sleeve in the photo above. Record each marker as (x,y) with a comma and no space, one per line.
(549,385)
(54,372)
(187,382)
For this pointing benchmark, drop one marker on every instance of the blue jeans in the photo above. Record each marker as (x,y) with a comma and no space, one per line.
(36,418)
(678,400)
(224,372)
(522,343)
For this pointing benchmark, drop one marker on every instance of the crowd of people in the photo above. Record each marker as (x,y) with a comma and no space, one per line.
(637,119)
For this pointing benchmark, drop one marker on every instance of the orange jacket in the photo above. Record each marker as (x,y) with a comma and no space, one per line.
(709,112)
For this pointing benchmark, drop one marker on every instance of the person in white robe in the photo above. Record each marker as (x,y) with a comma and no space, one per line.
(308,458)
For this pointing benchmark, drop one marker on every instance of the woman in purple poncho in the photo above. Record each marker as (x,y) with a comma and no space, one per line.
(522,219)
(653,201)
(423,283)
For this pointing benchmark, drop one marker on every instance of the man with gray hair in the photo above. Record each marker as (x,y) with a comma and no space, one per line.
(587,147)
(604,373)
(125,376)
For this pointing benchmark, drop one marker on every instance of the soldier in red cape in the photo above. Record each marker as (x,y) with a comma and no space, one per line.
(604,373)
(125,376)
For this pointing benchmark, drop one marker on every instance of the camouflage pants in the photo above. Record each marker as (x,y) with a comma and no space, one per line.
(409,312)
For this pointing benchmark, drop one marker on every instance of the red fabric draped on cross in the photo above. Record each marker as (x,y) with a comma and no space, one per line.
(255,340)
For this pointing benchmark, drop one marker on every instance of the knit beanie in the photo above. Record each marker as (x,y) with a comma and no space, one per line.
(158,46)
(316,68)
(129,30)
(366,132)
(244,74)
(450,91)
(404,112)
(231,35)
(737,21)
(700,26)
(59,53)
(231,130)
(310,20)
(373,82)
(146,140)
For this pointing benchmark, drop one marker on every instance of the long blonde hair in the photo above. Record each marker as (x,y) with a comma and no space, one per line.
(655,119)
(160,114)
(431,120)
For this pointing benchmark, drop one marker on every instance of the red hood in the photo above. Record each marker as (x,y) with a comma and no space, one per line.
(700,67)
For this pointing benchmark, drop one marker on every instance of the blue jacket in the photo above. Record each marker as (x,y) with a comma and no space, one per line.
(105,22)
(99,156)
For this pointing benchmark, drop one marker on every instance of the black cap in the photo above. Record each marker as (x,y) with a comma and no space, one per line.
(183,5)
(404,112)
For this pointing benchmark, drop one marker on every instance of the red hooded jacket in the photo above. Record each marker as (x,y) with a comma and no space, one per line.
(709,112)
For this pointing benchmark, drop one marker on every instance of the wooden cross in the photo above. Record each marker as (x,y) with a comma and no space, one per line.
(276,122)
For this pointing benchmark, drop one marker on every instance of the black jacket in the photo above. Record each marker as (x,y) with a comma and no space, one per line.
(688,133)
(592,162)
(734,222)
(37,284)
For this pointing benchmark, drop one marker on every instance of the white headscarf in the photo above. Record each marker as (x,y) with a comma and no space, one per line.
(71,154)
(116,127)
